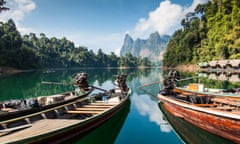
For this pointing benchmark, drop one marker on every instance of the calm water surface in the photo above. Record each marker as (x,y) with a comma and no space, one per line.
(142,121)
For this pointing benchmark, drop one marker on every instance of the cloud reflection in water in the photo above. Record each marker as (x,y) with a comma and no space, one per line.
(148,107)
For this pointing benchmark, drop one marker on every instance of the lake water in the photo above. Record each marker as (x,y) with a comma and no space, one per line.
(142,121)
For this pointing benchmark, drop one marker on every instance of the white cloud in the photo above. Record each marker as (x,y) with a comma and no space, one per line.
(18,10)
(147,107)
(165,19)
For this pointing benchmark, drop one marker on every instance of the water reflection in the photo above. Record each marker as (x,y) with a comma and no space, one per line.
(146,104)
(235,77)
(210,80)
(106,133)
(28,85)
(141,123)
(189,133)
(147,107)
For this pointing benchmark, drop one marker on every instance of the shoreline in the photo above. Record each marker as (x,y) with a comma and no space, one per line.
(191,68)
(188,68)
(4,70)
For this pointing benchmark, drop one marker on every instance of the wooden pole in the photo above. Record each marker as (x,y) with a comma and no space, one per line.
(162,81)
(188,78)
(150,84)
(59,83)
(99,88)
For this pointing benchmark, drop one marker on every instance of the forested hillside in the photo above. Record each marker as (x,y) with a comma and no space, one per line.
(211,32)
(32,51)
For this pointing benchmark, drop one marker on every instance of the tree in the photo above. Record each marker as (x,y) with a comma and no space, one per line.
(211,33)
(32,51)
(2,7)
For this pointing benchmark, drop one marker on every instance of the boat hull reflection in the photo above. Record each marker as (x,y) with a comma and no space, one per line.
(189,133)
(106,133)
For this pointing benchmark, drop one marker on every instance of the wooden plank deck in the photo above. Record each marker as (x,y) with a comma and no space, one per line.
(89,109)
(83,112)
(97,106)
(103,104)
(227,101)
(39,127)
(94,109)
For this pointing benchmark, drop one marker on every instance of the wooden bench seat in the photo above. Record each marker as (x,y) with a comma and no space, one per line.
(227,101)
(15,128)
(94,109)
(83,112)
(206,105)
(226,108)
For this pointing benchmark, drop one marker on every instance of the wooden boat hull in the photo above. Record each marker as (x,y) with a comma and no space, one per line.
(190,133)
(78,130)
(18,113)
(224,124)
(59,124)
(107,132)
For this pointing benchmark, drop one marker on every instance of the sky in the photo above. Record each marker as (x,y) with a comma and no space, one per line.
(98,24)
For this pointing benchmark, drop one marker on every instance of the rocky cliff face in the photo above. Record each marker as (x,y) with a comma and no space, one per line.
(153,47)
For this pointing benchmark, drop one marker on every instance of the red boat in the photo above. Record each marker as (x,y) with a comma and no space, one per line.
(217,114)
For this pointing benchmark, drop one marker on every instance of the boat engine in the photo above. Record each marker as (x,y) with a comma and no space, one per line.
(170,82)
(80,79)
(174,75)
(121,82)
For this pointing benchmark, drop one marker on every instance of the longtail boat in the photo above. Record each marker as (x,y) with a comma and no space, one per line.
(61,123)
(108,132)
(217,114)
(15,108)
(189,133)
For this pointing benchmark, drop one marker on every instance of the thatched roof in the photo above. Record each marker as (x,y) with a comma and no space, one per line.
(234,63)
(213,63)
(223,63)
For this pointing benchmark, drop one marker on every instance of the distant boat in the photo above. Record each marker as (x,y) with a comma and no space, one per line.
(61,123)
(46,71)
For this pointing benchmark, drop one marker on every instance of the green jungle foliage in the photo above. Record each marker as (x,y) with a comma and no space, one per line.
(211,32)
(31,51)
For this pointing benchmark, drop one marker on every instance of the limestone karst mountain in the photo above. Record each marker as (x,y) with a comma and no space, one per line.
(153,47)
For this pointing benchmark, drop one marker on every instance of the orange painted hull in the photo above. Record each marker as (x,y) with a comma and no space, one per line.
(224,124)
